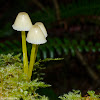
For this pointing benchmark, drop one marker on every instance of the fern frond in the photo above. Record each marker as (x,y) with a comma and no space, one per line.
(56,47)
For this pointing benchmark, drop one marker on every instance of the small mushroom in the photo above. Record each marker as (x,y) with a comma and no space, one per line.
(35,36)
(23,23)
(42,27)
(40,24)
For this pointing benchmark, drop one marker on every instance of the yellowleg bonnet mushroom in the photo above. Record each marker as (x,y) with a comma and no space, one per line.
(42,27)
(23,23)
(35,36)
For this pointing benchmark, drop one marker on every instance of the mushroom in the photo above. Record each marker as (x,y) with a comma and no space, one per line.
(35,36)
(23,23)
(42,27)
(40,24)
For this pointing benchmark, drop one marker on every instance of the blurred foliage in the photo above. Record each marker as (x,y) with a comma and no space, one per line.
(54,48)
(47,16)
(81,7)
(6,30)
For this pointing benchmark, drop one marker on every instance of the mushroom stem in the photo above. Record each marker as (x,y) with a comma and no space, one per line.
(32,60)
(24,50)
(36,51)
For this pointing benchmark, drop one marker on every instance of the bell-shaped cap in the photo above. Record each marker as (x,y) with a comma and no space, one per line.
(22,22)
(35,35)
(41,25)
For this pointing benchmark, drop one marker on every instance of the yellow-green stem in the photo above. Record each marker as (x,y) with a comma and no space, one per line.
(32,60)
(24,50)
(36,51)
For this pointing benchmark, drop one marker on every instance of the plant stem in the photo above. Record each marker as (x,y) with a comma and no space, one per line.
(24,50)
(56,5)
(91,72)
(32,60)
(39,4)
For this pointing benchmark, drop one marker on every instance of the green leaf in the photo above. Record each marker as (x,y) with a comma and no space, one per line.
(72,50)
(87,49)
(65,49)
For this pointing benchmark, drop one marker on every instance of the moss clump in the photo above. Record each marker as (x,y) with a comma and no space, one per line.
(76,95)
(13,81)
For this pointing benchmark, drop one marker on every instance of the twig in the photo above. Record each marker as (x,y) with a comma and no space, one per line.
(91,72)
(39,4)
(57,10)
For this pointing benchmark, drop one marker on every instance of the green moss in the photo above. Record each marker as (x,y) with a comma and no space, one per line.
(93,95)
(13,81)
(76,95)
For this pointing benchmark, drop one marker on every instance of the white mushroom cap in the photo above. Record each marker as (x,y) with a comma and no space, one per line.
(40,24)
(22,22)
(35,35)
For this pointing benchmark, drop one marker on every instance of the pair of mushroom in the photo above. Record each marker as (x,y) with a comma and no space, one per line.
(37,35)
